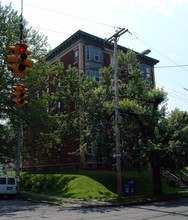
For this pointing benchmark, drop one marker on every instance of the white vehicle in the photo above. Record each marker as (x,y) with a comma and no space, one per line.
(8,185)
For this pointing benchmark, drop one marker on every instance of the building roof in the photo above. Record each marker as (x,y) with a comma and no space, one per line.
(91,39)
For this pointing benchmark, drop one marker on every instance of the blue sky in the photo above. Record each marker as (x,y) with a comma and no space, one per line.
(158,25)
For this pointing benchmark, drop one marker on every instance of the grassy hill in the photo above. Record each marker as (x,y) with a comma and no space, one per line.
(87,184)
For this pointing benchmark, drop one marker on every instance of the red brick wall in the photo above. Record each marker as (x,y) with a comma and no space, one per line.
(106,57)
(53,161)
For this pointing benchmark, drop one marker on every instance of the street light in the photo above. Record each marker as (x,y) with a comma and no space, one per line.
(145,52)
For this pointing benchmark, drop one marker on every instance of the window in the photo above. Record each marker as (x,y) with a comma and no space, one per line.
(38,94)
(96,55)
(2,180)
(47,77)
(11,181)
(77,148)
(148,72)
(58,107)
(97,76)
(58,84)
(112,59)
(88,73)
(76,75)
(87,54)
(130,70)
(76,56)
(46,153)
(76,103)
(141,67)
(90,150)
(47,90)
(58,151)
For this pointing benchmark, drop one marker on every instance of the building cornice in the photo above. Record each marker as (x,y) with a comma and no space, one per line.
(91,39)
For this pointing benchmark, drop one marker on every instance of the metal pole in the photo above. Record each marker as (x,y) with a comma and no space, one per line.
(18,149)
(21,22)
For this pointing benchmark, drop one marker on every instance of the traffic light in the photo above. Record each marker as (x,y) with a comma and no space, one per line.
(20,63)
(19,95)
(13,58)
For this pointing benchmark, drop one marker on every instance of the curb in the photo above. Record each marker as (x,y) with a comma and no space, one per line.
(127,204)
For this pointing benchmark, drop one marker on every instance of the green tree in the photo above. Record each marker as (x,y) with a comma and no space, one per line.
(140,114)
(9,35)
(99,115)
(175,140)
(139,105)
(36,119)
(84,115)
(7,140)
(64,102)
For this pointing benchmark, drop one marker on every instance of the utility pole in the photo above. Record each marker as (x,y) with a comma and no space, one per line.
(115,38)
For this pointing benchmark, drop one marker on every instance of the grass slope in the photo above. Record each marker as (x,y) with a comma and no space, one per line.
(72,185)
(87,184)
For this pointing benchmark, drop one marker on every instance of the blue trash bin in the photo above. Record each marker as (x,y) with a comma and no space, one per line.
(129,188)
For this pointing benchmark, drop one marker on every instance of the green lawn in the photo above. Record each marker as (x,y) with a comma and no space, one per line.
(73,185)
(88,184)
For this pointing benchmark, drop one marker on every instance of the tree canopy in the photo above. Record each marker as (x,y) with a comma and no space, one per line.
(9,35)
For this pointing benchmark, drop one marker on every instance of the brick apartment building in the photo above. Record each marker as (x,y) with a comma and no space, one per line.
(88,53)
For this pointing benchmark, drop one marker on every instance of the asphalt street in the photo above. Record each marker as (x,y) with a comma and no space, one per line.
(18,209)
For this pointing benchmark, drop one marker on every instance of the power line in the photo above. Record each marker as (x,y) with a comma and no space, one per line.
(170,66)
(170,79)
(177,97)
(59,32)
(174,95)
(159,52)
(69,15)
(173,90)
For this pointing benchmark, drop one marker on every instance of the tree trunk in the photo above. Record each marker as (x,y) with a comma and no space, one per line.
(156,176)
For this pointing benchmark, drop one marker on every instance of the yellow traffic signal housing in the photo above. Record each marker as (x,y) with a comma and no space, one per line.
(19,60)
(13,58)
(16,95)
(19,95)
